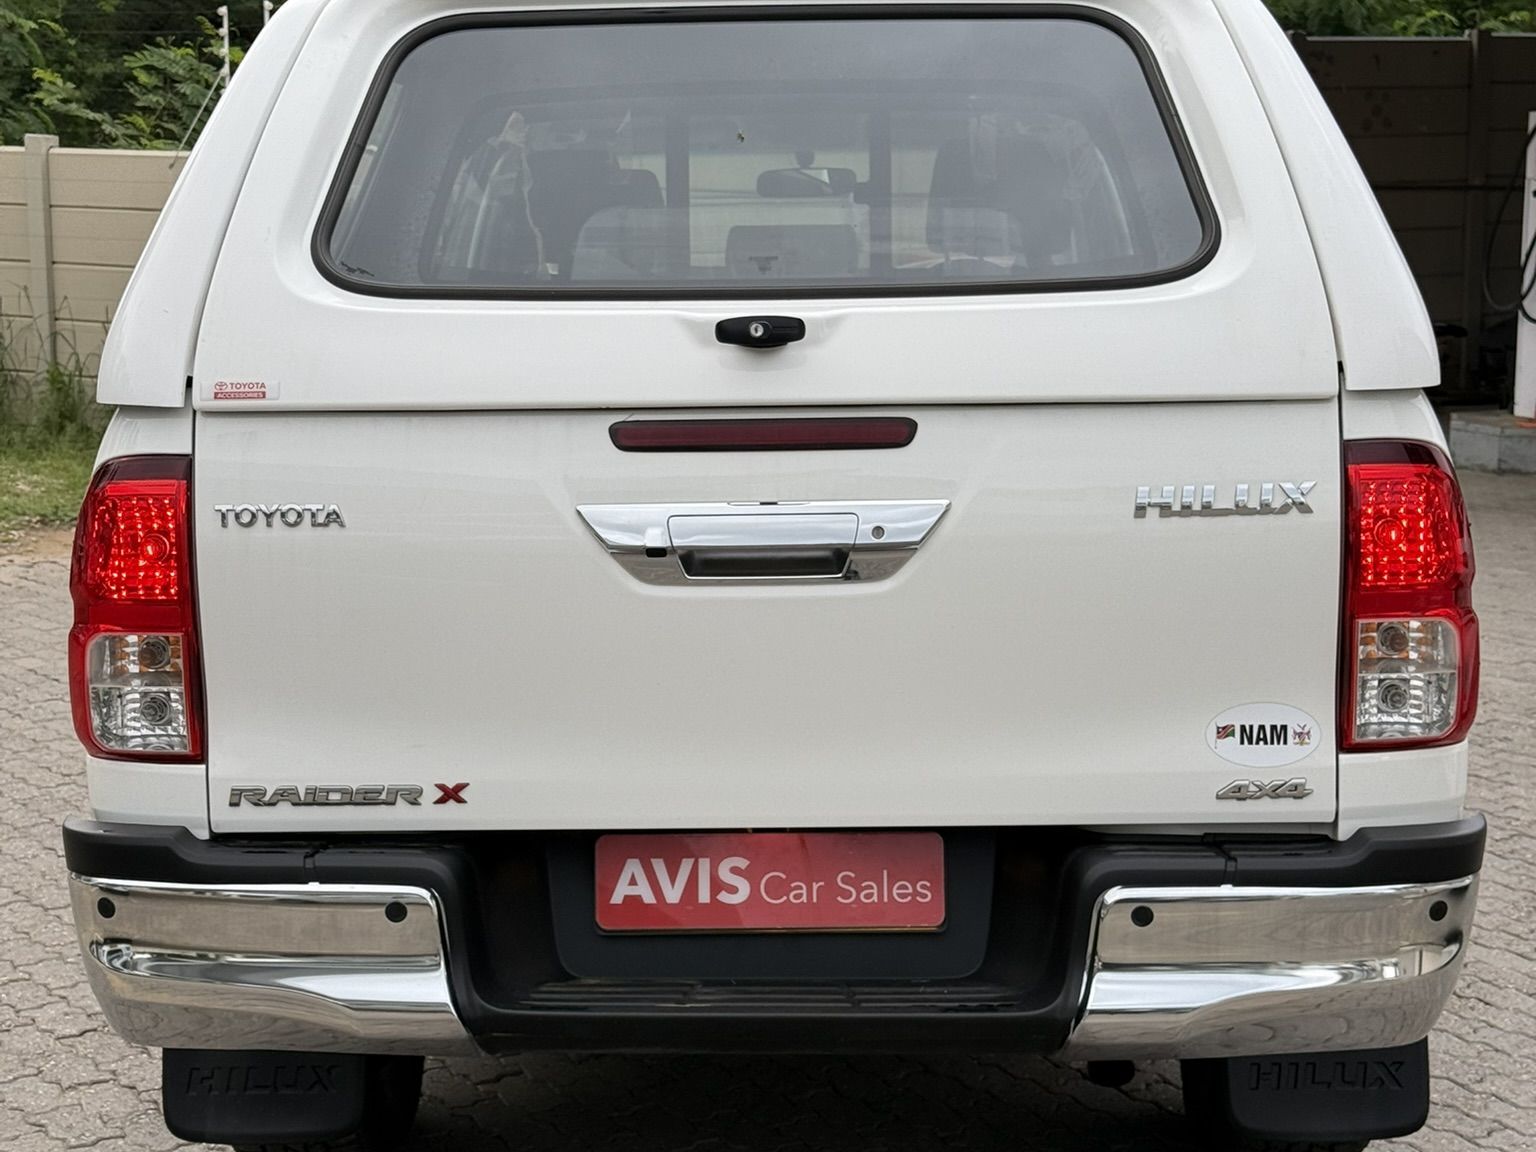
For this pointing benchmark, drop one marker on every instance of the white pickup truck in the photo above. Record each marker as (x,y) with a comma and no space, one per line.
(794,527)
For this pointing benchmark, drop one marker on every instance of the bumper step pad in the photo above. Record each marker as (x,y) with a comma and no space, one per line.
(1371,1094)
(247,1097)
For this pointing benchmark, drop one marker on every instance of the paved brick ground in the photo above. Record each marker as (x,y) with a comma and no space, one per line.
(67,1082)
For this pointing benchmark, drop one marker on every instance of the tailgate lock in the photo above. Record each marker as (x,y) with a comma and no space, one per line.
(760,331)
(763,543)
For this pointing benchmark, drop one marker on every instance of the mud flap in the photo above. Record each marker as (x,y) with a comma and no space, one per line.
(1323,1097)
(248,1097)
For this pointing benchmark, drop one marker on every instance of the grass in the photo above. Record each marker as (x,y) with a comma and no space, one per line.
(41,483)
(48,435)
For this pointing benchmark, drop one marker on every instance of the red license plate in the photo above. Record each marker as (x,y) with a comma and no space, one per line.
(771,881)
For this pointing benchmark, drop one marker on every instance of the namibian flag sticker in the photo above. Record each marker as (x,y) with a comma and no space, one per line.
(1226,731)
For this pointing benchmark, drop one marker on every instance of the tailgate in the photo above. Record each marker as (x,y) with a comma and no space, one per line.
(1046,655)
(1062,241)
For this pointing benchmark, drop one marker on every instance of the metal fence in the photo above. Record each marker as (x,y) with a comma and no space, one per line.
(1438,126)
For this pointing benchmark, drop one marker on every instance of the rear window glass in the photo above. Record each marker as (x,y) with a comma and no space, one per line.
(698,157)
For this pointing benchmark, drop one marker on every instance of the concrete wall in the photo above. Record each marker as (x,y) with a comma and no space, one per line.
(72,224)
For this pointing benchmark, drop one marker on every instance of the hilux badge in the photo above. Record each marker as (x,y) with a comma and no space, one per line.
(1271,497)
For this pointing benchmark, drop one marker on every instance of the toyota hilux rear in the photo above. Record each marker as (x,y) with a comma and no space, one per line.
(773,527)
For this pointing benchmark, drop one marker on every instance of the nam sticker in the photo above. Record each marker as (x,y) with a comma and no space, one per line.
(1262,735)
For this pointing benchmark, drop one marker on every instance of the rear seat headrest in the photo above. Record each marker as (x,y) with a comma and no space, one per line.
(1022,178)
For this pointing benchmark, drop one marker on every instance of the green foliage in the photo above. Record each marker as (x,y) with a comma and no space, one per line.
(167,87)
(29,35)
(1327,17)
(168,84)
(59,101)
(1403,17)
(164,89)
(1451,19)
(113,73)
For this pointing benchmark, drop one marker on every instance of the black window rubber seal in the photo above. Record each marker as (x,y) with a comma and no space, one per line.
(320,241)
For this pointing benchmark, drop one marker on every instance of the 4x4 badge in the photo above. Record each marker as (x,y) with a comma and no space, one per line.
(1293,789)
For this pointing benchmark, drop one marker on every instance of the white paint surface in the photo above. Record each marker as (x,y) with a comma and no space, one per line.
(1047,657)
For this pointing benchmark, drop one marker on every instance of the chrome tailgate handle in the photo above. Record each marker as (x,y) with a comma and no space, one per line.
(757,542)
(749,545)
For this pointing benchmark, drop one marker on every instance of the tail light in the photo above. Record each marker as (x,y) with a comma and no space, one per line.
(133,667)
(1410,635)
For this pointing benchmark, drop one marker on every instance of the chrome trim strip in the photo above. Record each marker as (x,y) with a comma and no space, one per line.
(789,530)
(646,538)
(289,966)
(1245,971)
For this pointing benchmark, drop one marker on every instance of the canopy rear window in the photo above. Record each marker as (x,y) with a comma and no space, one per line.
(730,156)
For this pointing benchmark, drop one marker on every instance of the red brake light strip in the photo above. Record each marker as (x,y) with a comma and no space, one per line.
(789,434)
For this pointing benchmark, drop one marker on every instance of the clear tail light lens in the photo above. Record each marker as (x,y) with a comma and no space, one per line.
(1410,652)
(133,670)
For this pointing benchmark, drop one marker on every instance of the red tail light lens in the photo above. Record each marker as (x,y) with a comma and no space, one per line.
(133,670)
(1410,635)
(133,546)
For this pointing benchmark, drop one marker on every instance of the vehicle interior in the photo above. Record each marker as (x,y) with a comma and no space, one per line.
(643,183)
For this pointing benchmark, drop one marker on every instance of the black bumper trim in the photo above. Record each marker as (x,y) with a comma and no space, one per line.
(1422,853)
(1413,854)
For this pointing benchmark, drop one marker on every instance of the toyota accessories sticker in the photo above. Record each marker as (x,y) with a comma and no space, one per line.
(239,390)
(1262,735)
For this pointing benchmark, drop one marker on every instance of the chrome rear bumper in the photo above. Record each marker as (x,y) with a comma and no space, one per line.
(1228,971)
(1176,972)
(302,967)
